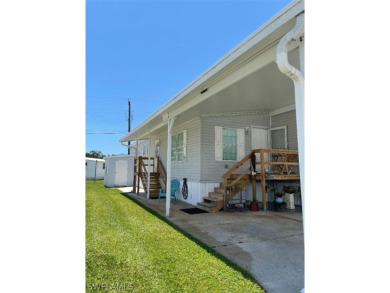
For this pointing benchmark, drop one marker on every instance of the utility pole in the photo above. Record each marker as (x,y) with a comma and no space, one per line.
(129,125)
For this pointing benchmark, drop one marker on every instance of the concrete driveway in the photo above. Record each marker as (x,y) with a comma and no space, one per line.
(269,245)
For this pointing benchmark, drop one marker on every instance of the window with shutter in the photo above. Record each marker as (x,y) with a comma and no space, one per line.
(229,144)
(179,147)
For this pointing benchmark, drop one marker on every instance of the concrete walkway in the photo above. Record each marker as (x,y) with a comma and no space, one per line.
(269,245)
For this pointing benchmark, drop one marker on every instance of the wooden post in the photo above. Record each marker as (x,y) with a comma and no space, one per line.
(254,179)
(139,172)
(254,189)
(224,198)
(263,194)
(135,176)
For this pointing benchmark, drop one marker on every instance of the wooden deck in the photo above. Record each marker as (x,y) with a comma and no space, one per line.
(283,165)
(275,177)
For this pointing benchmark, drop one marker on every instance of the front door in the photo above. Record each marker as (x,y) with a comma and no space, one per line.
(259,141)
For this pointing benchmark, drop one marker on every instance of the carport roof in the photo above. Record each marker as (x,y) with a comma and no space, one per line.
(261,40)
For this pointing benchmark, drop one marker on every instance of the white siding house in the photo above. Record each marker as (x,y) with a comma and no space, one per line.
(252,98)
(94,168)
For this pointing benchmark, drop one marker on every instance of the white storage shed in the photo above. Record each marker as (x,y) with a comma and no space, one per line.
(94,168)
(119,171)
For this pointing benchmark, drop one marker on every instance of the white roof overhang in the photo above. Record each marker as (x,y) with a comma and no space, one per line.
(242,69)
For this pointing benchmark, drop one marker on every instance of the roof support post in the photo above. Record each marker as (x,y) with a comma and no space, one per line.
(138,165)
(169,165)
(299,82)
(148,194)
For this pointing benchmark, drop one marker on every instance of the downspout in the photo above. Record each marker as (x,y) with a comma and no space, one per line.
(299,81)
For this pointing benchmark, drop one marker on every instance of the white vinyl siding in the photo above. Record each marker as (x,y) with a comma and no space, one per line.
(213,168)
(229,144)
(178,151)
(190,167)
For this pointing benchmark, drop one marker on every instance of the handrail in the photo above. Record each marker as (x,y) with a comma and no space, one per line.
(239,178)
(161,171)
(276,151)
(143,174)
(238,165)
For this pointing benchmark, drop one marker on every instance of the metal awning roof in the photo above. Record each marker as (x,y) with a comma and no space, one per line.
(226,78)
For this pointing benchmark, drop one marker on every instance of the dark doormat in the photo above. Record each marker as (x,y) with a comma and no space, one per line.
(193,211)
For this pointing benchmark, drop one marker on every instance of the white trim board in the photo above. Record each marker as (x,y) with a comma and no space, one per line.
(282,110)
(285,135)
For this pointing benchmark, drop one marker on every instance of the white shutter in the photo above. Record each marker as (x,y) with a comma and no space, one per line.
(184,145)
(240,144)
(218,143)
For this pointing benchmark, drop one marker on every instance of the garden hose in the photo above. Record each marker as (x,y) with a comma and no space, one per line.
(184,190)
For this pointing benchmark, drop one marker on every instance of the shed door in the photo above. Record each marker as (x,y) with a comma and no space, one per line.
(259,141)
(120,173)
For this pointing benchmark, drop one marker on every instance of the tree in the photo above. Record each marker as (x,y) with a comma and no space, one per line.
(94,154)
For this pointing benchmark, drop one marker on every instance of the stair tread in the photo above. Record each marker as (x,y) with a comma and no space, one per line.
(216,193)
(213,198)
(207,204)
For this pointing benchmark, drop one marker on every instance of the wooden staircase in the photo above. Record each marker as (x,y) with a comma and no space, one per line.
(141,174)
(214,202)
(283,160)
(155,185)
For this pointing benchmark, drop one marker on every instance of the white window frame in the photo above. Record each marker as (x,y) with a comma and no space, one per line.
(285,135)
(240,143)
(174,139)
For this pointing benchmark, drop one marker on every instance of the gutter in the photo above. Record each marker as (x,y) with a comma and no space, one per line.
(282,58)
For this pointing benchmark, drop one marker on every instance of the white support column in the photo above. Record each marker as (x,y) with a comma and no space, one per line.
(300,116)
(168,189)
(148,194)
(299,83)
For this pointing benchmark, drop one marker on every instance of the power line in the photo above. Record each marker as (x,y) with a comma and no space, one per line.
(105,132)
(124,98)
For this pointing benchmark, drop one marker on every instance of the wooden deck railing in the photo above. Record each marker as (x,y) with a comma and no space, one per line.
(161,171)
(284,160)
(140,172)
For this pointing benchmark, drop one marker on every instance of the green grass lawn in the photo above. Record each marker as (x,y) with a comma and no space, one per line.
(130,248)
